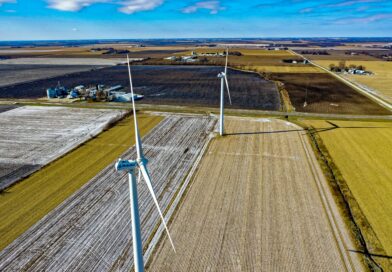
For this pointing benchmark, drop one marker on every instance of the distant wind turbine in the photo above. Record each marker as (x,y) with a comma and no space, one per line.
(223,77)
(130,166)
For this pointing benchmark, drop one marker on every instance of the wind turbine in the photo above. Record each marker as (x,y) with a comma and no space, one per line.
(130,166)
(223,77)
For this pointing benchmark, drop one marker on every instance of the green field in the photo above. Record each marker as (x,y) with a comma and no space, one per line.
(25,203)
(362,153)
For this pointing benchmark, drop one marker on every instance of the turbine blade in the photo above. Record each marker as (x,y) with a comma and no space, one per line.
(228,89)
(137,136)
(227,59)
(146,177)
(139,177)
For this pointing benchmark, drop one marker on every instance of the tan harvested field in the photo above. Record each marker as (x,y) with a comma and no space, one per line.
(63,61)
(258,202)
(379,83)
(31,137)
(362,153)
(335,54)
(286,69)
(268,61)
(85,51)
(246,52)
(91,230)
(48,51)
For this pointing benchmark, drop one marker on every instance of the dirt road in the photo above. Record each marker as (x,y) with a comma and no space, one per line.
(258,202)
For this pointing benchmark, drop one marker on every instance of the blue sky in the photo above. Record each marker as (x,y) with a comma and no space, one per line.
(122,19)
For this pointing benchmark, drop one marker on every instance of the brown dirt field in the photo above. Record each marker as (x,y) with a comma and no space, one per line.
(176,85)
(326,94)
(13,74)
(4,108)
(379,83)
(258,202)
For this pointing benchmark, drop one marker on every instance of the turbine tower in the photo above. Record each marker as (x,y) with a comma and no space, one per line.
(129,166)
(223,77)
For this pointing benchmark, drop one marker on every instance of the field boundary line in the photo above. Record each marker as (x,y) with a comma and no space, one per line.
(179,195)
(340,239)
(173,109)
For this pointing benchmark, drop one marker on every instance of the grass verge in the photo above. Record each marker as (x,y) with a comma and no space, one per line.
(285,98)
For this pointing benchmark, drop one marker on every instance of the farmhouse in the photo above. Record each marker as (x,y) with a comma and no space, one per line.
(172,58)
(359,72)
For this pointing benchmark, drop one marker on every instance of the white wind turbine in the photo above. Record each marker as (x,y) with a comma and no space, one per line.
(223,77)
(130,166)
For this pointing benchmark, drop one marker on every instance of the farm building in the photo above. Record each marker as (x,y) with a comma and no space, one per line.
(58,91)
(359,72)
(124,97)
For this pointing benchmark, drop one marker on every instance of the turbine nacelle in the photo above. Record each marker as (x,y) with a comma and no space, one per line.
(221,75)
(126,165)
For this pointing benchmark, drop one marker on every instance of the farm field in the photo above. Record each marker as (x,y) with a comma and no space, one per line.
(258,202)
(283,69)
(4,108)
(380,83)
(13,74)
(176,85)
(31,137)
(260,60)
(363,54)
(326,94)
(55,182)
(361,152)
(151,53)
(91,230)
(84,52)
(336,54)
(63,61)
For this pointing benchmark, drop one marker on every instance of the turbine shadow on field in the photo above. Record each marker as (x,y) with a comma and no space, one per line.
(371,254)
(263,132)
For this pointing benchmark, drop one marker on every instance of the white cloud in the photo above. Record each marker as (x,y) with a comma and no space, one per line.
(132,6)
(213,6)
(7,1)
(72,5)
(126,6)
